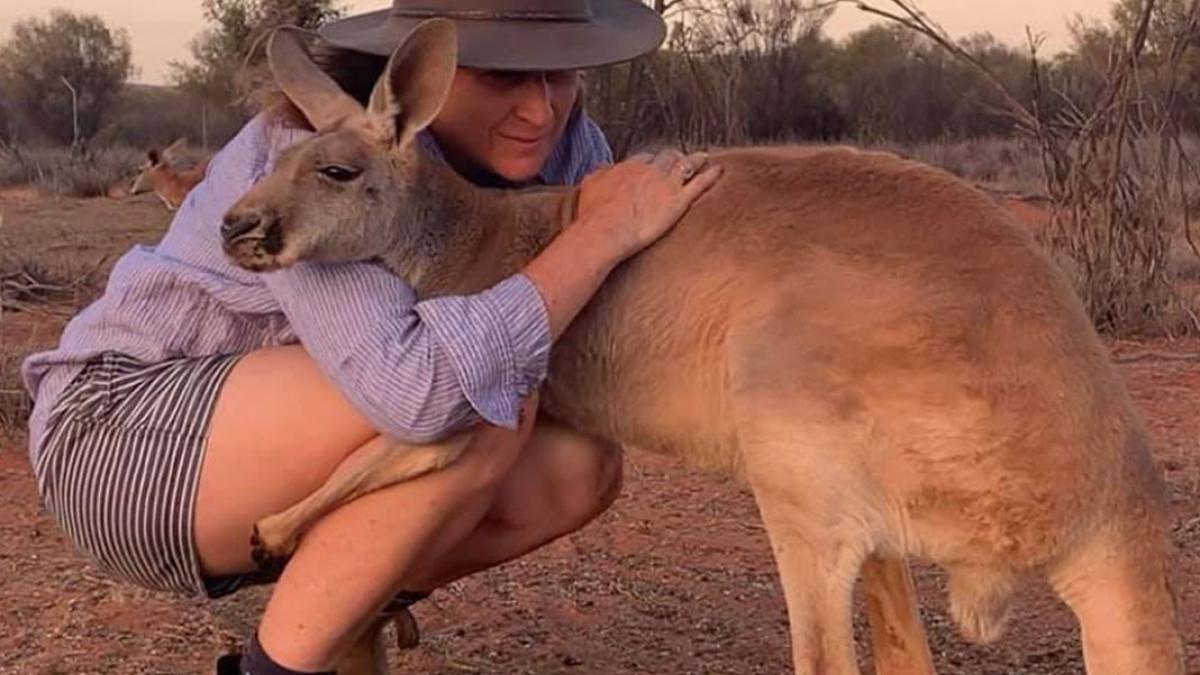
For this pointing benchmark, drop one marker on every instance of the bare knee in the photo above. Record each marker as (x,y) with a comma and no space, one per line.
(593,485)
(563,481)
(606,478)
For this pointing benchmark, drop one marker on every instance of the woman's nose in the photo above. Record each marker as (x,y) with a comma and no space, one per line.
(534,105)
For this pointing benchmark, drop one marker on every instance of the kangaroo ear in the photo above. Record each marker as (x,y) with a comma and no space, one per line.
(309,88)
(168,152)
(417,80)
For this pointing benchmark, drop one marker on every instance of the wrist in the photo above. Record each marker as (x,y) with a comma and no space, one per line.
(604,239)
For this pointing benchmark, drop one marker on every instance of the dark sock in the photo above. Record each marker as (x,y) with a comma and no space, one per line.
(230,664)
(256,662)
(404,600)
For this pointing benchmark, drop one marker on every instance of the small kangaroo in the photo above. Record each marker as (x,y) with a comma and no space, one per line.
(876,349)
(170,185)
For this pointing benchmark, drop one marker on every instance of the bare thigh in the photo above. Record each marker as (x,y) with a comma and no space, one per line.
(279,429)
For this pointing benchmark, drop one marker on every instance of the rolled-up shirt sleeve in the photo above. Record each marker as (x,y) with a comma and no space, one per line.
(418,370)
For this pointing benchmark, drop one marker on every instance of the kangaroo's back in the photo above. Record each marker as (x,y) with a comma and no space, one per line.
(847,270)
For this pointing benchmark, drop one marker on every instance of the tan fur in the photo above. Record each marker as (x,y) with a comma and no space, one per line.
(169,184)
(898,642)
(356,476)
(878,350)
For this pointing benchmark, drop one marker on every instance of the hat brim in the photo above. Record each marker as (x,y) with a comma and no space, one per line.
(619,30)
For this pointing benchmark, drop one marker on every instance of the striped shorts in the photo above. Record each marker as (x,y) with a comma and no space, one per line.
(120,464)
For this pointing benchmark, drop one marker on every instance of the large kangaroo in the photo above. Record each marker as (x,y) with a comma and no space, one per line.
(876,349)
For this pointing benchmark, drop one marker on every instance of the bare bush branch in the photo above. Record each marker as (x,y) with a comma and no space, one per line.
(1110,226)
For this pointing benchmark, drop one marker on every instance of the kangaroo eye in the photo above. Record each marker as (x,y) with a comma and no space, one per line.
(339,174)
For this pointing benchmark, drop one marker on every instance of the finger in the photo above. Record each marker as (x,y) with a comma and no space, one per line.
(689,166)
(697,160)
(699,185)
(692,191)
(702,182)
(666,160)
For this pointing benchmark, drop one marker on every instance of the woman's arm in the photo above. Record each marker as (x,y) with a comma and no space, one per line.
(417,371)
(622,209)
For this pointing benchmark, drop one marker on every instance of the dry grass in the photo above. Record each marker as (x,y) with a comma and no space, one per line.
(52,284)
(15,404)
(59,172)
(35,287)
(1014,166)
(1007,165)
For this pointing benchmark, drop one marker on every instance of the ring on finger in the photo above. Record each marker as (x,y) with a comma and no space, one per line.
(687,170)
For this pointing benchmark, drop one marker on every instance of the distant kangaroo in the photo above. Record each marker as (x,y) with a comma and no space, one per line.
(879,351)
(171,185)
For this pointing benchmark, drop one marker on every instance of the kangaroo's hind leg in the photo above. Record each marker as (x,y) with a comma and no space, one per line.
(1117,574)
(898,639)
(377,464)
(1119,586)
(820,532)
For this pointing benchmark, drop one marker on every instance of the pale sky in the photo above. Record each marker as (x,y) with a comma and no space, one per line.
(161,29)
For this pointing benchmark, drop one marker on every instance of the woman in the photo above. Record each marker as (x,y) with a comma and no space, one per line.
(194,398)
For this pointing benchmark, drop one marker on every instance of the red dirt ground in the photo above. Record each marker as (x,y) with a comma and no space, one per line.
(676,579)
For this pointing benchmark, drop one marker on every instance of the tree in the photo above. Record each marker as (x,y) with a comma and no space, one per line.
(894,84)
(1170,19)
(1172,55)
(219,53)
(7,123)
(45,59)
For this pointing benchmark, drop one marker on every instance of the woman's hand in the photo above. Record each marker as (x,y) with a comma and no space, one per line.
(633,203)
(621,210)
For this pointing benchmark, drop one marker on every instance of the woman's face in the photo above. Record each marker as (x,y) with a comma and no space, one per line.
(505,122)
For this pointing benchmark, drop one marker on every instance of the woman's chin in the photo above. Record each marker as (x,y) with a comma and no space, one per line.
(519,170)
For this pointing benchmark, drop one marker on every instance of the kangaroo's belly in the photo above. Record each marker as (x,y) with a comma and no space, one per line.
(645,365)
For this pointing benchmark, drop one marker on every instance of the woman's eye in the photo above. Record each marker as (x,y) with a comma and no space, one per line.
(558,77)
(505,78)
(339,174)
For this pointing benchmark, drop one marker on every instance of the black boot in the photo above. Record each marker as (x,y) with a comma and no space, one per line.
(408,635)
(255,662)
(230,664)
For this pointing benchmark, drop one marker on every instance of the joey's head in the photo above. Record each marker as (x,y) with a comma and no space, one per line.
(156,166)
(347,192)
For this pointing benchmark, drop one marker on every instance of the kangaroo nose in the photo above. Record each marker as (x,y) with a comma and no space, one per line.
(236,224)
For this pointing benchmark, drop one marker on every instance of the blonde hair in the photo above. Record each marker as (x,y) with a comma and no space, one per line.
(355,72)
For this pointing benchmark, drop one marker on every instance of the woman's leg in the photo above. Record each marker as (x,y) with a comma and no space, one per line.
(279,430)
(355,559)
(561,481)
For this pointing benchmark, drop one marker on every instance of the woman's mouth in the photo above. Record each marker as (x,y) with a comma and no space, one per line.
(524,141)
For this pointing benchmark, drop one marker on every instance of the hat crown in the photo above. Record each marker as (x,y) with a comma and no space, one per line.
(495,10)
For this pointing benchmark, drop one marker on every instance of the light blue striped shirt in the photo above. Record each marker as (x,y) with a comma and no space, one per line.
(415,369)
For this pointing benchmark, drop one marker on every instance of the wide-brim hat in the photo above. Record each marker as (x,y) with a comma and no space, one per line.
(514,34)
